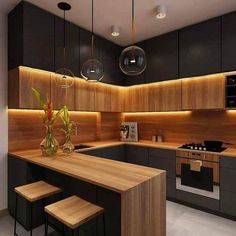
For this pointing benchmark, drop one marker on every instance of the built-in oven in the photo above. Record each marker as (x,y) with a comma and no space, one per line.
(198,172)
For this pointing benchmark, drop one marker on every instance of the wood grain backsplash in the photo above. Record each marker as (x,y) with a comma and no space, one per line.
(26,130)
(186,127)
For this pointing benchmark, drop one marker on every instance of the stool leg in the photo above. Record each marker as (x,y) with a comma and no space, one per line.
(15,234)
(31,216)
(104,224)
(46,224)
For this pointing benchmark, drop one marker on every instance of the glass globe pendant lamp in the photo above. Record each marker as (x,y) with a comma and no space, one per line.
(133,60)
(92,70)
(64,77)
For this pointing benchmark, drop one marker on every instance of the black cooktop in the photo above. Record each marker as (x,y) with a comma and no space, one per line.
(201,147)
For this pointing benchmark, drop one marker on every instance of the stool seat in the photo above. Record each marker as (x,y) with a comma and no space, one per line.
(73,211)
(37,191)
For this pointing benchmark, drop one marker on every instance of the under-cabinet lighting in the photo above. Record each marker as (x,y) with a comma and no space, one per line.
(158,113)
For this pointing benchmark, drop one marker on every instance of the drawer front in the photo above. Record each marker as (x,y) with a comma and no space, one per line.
(228,203)
(164,164)
(228,162)
(228,177)
(198,200)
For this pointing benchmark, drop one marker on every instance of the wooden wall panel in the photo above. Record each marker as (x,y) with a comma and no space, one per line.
(186,127)
(26,130)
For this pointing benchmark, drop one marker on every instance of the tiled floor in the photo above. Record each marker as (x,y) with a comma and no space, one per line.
(181,221)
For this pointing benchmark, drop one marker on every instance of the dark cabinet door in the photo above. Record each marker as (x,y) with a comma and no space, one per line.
(109,56)
(85,46)
(228,42)
(199,49)
(162,55)
(72,46)
(163,159)
(136,79)
(38,37)
(137,155)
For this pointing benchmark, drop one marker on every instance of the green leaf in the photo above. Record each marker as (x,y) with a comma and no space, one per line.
(38,98)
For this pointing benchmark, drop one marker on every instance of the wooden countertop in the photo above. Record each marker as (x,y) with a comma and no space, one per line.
(114,175)
(230,152)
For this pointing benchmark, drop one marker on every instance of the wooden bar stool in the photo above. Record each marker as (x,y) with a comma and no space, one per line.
(73,212)
(32,193)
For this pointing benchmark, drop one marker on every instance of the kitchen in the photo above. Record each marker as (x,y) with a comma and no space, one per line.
(90,120)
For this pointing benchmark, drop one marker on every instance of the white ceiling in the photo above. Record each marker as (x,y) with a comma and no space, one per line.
(180,13)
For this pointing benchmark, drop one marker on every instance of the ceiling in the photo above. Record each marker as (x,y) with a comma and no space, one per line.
(180,13)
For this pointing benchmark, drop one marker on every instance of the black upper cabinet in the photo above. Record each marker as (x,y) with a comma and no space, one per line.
(31,37)
(200,49)
(109,55)
(72,46)
(136,79)
(162,54)
(228,42)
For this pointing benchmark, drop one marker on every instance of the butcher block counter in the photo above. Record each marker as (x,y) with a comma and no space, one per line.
(142,190)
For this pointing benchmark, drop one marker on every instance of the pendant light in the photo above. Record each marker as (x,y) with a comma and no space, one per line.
(64,77)
(133,60)
(92,70)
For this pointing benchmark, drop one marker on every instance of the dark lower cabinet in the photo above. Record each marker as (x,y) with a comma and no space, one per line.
(165,160)
(228,42)
(162,53)
(200,48)
(228,187)
(137,155)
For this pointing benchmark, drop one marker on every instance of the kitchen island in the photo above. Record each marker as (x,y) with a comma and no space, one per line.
(134,196)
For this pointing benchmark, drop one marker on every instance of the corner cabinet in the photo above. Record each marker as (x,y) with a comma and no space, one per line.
(207,92)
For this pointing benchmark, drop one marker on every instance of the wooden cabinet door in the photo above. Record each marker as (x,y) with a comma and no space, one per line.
(21,81)
(200,49)
(207,92)
(72,46)
(84,95)
(228,42)
(165,96)
(162,55)
(136,98)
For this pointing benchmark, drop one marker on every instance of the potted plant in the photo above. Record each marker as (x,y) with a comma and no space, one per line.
(69,127)
(49,145)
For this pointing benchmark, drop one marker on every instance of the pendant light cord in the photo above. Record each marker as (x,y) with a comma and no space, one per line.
(64,49)
(133,36)
(92,30)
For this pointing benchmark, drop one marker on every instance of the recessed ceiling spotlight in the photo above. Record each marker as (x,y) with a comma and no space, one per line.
(161,12)
(115,31)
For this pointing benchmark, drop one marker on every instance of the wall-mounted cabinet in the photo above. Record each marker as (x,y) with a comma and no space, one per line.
(165,96)
(203,93)
(31,37)
(200,49)
(162,55)
(72,46)
(228,42)
(20,85)
(36,40)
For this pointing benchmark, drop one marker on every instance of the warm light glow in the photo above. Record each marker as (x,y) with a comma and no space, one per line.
(39,111)
(158,113)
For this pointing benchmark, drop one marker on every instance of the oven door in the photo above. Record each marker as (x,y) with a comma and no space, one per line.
(202,179)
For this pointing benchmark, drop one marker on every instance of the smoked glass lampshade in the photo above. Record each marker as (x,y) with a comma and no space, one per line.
(92,70)
(64,78)
(133,61)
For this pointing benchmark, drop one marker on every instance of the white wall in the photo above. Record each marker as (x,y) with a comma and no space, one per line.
(3,111)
